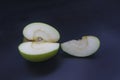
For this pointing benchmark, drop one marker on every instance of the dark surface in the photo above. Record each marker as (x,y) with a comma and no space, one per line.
(73,19)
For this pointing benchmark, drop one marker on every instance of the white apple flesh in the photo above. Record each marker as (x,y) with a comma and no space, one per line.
(42,31)
(39,42)
(36,52)
(84,47)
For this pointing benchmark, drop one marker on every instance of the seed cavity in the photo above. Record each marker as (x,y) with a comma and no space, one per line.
(40,35)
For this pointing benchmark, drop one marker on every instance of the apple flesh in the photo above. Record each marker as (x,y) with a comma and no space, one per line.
(84,47)
(35,31)
(36,52)
(39,42)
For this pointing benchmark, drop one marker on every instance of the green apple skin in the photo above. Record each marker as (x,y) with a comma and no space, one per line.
(25,40)
(39,57)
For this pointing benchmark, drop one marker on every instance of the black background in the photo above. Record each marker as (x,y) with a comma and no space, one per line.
(73,19)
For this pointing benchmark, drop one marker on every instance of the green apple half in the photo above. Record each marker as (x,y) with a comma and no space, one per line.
(40,42)
(84,47)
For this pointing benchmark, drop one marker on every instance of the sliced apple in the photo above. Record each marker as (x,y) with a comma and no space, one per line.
(36,52)
(39,42)
(42,31)
(84,47)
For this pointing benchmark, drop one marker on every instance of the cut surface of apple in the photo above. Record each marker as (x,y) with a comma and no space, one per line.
(84,47)
(35,51)
(42,31)
(39,42)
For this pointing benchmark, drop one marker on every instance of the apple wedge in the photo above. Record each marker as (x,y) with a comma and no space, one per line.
(36,52)
(41,31)
(39,42)
(84,47)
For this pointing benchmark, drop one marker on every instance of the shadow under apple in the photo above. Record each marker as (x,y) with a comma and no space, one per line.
(66,55)
(44,68)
